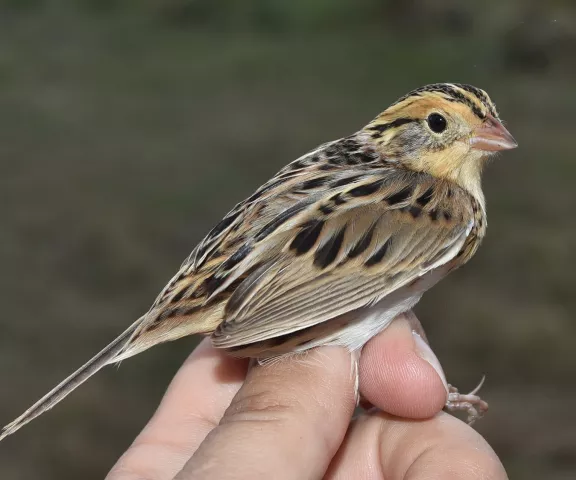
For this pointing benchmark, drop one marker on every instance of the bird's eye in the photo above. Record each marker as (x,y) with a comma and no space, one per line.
(436,122)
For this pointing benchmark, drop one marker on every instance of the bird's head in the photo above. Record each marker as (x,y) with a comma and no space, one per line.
(445,129)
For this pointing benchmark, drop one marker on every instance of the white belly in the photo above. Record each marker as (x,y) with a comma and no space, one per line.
(365,323)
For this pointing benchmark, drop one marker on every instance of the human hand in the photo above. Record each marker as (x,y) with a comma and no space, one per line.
(291,419)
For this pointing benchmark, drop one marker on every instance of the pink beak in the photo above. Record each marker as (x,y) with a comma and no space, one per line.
(491,136)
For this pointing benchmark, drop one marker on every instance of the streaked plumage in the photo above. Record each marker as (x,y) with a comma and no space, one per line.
(336,244)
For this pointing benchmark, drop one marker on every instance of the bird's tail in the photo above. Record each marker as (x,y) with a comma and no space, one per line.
(106,356)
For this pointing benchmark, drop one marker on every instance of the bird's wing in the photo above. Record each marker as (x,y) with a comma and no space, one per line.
(335,230)
(360,238)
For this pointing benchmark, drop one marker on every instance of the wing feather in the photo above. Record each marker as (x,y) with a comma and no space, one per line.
(401,242)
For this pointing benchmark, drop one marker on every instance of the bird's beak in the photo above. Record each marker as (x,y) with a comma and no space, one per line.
(491,136)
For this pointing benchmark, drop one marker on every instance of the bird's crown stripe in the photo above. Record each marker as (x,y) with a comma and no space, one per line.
(471,96)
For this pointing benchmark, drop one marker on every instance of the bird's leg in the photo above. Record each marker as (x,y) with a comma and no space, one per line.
(470,403)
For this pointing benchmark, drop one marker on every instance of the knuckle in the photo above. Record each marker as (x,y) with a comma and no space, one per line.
(260,406)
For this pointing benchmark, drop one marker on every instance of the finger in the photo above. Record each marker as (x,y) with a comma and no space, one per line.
(400,374)
(286,422)
(192,406)
(380,446)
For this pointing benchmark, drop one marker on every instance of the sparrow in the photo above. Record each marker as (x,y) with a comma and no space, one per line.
(336,245)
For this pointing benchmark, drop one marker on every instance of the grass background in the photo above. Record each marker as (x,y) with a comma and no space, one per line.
(127,129)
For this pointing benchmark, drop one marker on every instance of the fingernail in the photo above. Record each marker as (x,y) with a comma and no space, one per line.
(425,352)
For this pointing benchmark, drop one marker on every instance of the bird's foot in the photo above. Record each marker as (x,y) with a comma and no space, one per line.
(470,403)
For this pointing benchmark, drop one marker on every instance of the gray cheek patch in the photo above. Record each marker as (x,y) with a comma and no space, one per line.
(413,139)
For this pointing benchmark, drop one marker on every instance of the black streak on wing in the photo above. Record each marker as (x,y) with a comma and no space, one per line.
(326,209)
(345,181)
(174,312)
(368,189)
(280,219)
(264,189)
(180,295)
(224,224)
(327,166)
(296,165)
(333,150)
(379,254)
(415,211)
(211,284)
(313,183)
(400,196)
(425,197)
(364,157)
(236,258)
(338,199)
(307,237)
(328,252)
(363,243)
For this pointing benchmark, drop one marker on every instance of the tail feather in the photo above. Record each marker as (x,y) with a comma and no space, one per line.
(106,356)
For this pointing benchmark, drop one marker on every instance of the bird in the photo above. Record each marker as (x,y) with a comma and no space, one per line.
(335,245)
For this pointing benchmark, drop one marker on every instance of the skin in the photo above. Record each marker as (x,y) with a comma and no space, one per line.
(221,419)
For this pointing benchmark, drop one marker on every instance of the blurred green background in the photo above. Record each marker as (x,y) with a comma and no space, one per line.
(119,118)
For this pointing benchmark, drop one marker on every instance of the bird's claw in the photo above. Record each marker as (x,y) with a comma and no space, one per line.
(470,403)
